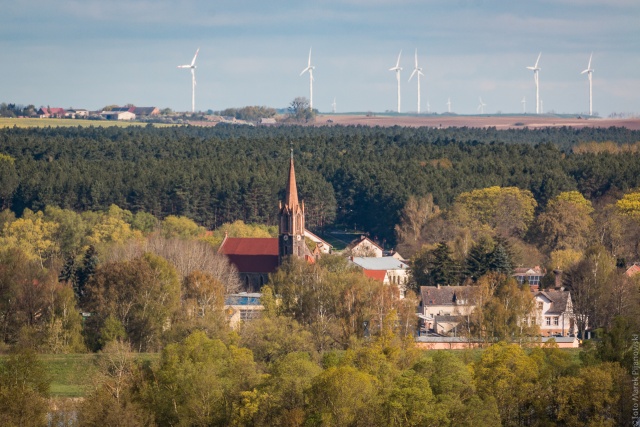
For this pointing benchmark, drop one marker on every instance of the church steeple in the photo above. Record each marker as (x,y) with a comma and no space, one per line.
(291,196)
(291,229)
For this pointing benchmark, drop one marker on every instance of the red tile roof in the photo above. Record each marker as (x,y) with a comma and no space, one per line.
(251,254)
(375,274)
(633,270)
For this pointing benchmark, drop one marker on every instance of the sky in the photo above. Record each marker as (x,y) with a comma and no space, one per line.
(93,53)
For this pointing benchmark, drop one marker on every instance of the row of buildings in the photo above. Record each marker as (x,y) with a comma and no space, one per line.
(118,113)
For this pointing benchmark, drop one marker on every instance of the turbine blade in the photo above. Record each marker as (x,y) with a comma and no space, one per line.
(411,76)
(305,70)
(416,58)
(398,63)
(538,60)
(309,65)
(194,57)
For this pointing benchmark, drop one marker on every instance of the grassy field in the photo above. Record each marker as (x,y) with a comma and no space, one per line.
(30,123)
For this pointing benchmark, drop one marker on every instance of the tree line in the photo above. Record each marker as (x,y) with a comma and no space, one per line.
(357,176)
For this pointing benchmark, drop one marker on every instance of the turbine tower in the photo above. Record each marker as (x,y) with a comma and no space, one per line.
(310,69)
(448,104)
(192,67)
(333,105)
(535,70)
(524,105)
(397,69)
(417,70)
(481,106)
(589,72)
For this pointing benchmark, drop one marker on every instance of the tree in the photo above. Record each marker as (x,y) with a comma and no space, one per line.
(24,390)
(199,381)
(507,374)
(300,111)
(111,401)
(9,179)
(589,282)
(416,214)
(435,267)
(566,222)
(508,211)
(343,396)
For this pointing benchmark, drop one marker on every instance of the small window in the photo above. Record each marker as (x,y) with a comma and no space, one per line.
(540,305)
(548,321)
(555,321)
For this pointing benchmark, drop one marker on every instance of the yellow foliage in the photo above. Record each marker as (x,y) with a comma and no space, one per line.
(574,197)
(32,235)
(112,230)
(238,228)
(508,210)
(565,258)
(180,226)
(629,205)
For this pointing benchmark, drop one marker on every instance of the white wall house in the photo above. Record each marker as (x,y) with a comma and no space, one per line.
(389,269)
(554,313)
(365,247)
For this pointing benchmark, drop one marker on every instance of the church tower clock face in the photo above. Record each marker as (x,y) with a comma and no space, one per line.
(285,238)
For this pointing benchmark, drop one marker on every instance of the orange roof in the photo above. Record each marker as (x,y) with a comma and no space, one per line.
(633,270)
(375,274)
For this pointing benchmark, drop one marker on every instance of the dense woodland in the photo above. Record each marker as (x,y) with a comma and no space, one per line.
(113,223)
(357,176)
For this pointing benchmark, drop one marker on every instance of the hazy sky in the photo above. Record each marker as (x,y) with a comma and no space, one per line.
(91,53)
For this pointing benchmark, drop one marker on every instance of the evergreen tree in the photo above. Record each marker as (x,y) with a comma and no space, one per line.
(500,259)
(444,269)
(86,271)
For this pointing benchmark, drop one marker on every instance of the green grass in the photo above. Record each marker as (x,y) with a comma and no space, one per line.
(31,122)
(71,374)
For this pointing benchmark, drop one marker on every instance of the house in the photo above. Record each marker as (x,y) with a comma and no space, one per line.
(441,306)
(129,109)
(633,270)
(532,276)
(388,270)
(365,247)
(145,111)
(76,114)
(322,246)
(118,115)
(554,313)
(266,121)
(47,112)
(242,307)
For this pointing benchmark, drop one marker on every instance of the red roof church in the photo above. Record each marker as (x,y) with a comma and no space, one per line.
(255,258)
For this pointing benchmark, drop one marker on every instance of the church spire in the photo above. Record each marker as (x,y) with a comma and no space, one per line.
(291,196)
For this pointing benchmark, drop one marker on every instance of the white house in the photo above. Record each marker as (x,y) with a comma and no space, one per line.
(554,313)
(322,246)
(441,306)
(365,247)
(387,269)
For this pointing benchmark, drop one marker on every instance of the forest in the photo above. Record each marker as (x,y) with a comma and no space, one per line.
(108,242)
(357,177)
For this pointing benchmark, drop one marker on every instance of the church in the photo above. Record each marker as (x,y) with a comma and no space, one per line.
(255,258)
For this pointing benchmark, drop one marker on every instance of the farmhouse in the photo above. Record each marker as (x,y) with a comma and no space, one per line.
(48,112)
(365,247)
(441,307)
(388,270)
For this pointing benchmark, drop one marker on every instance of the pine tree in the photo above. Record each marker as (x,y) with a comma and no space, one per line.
(444,269)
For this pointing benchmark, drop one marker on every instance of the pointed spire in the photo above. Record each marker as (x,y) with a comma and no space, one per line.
(291,197)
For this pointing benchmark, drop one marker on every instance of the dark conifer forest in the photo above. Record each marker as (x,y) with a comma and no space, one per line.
(356,176)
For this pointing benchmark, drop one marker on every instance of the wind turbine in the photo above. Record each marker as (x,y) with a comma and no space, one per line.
(589,72)
(397,69)
(417,70)
(524,105)
(310,69)
(481,106)
(333,105)
(535,70)
(192,66)
(448,104)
